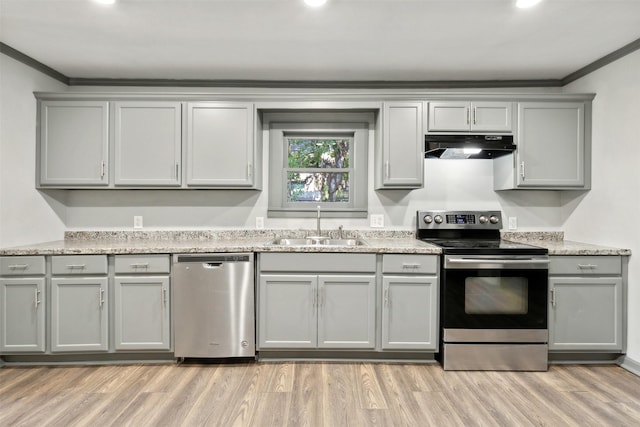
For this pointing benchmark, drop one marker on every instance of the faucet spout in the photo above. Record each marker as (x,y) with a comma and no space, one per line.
(318,231)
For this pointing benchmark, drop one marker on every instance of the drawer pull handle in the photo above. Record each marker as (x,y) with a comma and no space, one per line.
(140,265)
(587,266)
(76,266)
(407,265)
(18,266)
(37,298)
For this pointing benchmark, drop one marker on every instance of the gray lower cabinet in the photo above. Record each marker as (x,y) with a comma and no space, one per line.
(220,145)
(148,143)
(586,310)
(410,302)
(79,314)
(73,149)
(79,303)
(141,309)
(22,308)
(22,304)
(298,308)
(317,311)
(399,157)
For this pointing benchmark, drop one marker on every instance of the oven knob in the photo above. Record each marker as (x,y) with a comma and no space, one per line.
(493,219)
(428,219)
(438,219)
(482,219)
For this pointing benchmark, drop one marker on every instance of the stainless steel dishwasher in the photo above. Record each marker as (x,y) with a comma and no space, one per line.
(213,301)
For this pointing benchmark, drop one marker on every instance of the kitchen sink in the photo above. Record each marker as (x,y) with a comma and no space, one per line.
(315,241)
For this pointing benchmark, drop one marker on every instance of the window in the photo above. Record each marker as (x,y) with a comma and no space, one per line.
(318,164)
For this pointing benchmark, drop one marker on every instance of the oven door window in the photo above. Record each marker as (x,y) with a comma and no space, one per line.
(496,295)
(494,299)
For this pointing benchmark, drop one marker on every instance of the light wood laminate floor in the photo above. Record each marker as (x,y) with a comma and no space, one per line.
(316,394)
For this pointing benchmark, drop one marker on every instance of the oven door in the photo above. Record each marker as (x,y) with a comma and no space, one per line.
(494,292)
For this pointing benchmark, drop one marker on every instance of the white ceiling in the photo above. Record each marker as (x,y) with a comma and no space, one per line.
(395,40)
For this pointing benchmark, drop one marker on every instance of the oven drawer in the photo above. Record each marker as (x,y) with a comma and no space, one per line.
(585,265)
(414,264)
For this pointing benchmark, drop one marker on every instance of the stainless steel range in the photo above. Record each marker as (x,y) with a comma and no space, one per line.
(493,311)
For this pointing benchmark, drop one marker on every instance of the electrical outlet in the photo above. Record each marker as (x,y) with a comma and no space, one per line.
(376,221)
(259,222)
(137,222)
(513,223)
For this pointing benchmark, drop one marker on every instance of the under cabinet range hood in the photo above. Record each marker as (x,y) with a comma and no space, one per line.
(467,146)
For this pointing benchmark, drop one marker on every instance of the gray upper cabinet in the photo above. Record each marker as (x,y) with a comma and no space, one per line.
(148,143)
(220,145)
(553,152)
(400,157)
(465,116)
(74,143)
(551,148)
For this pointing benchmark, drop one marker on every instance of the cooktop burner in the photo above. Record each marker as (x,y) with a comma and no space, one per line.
(485,246)
(469,232)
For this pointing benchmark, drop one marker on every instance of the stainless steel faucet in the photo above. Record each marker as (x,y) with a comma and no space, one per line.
(318,231)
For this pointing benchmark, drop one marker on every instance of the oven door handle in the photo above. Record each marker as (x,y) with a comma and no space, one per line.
(497,263)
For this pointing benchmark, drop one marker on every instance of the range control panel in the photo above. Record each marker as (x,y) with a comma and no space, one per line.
(485,220)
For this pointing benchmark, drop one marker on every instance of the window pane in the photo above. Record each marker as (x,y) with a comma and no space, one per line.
(318,153)
(318,187)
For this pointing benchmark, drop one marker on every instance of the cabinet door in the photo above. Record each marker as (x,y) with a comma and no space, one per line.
(22,317)
(585,314)
(79,314)
(220,145)
(346,311)
(141,309)
(288,315)
(148,141)
(403,141)
(410,313)
(550,144)
(491,116)
(74,140)
(449,116)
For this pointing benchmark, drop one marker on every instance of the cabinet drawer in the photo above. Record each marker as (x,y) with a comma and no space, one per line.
(418,264)
(131,264)
(582,265)
(315,262)
(79,264)
(21,265)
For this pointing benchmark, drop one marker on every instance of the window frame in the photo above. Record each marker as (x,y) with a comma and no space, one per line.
(280,207)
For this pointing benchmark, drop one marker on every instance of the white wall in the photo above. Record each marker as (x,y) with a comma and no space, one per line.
(608,213)
(26,216)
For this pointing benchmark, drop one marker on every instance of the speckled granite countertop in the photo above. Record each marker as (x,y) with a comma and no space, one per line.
(91,243)
(386,241)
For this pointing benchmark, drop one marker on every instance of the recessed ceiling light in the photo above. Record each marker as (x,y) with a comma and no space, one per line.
(523,4)
(105,1)
(315,3)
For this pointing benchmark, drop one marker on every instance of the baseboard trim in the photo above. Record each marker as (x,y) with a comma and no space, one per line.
(630,365)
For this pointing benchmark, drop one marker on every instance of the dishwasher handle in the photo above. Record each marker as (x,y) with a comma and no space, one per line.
(212,265)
